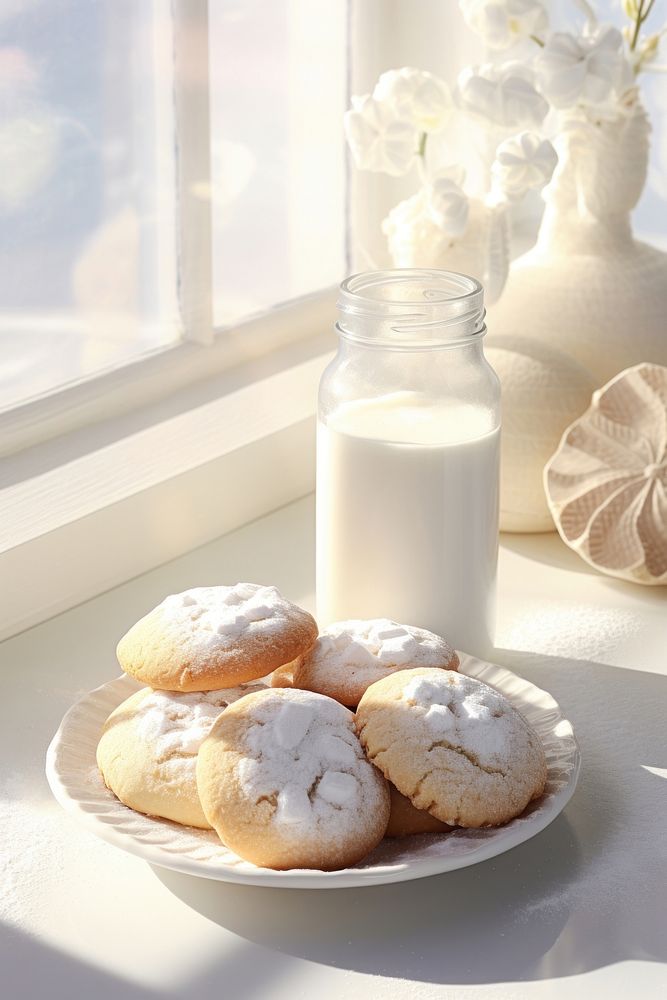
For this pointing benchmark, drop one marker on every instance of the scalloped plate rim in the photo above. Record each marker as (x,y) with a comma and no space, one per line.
(500,839)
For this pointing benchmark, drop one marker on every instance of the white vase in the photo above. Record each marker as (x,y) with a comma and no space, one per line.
(543,390)
(588,287)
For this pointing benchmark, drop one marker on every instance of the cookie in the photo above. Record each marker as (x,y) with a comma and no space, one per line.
(283,677)
(453,745)
(215,637)
(283,779)
(148,750)
(405,820)
(349,656)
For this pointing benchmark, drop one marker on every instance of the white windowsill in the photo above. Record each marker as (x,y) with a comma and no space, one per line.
(101,504)
(161,374)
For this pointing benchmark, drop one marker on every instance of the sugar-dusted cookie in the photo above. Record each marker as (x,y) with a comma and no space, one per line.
(283,677)
(350,655)
(283,779)
(405,820)
(148,749)
(453,745)
(215,637)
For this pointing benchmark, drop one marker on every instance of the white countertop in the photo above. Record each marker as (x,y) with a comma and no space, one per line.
(582,907)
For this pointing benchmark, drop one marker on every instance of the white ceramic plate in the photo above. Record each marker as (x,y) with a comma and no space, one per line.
(72,773)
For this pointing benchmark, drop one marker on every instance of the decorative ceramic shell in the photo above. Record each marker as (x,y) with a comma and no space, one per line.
(606,485)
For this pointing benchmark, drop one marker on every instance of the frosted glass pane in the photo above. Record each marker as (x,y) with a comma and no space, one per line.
(87,244)
(278,93)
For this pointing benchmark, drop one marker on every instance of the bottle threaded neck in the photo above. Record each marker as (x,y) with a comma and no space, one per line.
(411,309)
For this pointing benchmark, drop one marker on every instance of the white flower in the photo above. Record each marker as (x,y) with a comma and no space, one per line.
(503,94)
(414,240)
(415,96)
(503,22)
(588,69)
(448,204)
(648,47)
(380,140)
(523,162)
(645,51)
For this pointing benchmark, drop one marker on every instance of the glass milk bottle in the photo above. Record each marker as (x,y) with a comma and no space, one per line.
(407,458)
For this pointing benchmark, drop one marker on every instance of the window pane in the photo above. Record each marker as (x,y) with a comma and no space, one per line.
(87,233)
(278,93)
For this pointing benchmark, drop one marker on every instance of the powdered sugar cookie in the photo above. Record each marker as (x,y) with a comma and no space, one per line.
(453,745)
(405,820)
(283,677)
(148,750)
(215,637)
(283,779)
(350,655)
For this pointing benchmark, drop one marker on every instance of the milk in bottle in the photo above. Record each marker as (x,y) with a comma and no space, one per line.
(408,459)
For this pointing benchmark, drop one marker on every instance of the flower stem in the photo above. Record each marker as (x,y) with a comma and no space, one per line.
(538,41)
(421,151)
(642,14)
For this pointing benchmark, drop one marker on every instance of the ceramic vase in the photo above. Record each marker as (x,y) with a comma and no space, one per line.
(588,287)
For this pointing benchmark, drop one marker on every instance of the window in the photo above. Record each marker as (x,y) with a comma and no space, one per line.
(166,168)
(171,173)
(87,241)
(278,94)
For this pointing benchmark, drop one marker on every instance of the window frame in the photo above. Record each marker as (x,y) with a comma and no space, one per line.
(118,392)
(109,501)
